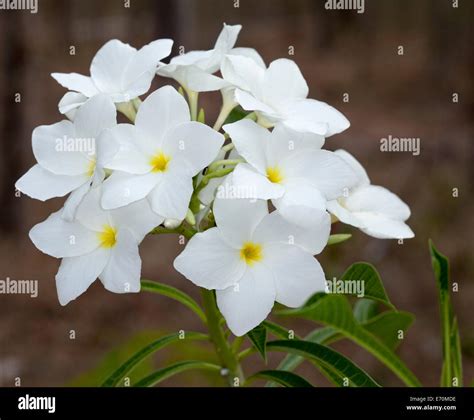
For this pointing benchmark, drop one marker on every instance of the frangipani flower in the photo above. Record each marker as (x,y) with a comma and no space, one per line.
(70,155)
(371,208)
(98,244)
(159,156)
(278,94)
(195,70)
(290,169)
(118,70)
(252,259)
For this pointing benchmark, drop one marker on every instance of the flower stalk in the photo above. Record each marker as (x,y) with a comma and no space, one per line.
(226,356)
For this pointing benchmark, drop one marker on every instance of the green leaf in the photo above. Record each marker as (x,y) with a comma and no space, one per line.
(287,379)
(165,373)
(173,293)
(138,357)
(237,114)
(373,287)
(452,363)
(277,330)
(335,311)
(387,326)
(258,337)
(338,238)
(326,357)
(364,309)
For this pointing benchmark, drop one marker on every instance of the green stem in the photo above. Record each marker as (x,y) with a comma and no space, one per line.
(223,349)
(224,162)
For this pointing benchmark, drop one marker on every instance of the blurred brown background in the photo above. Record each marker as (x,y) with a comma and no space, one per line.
(339,52)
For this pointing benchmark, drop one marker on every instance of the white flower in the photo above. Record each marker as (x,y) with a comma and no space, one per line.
(98,243)
(118,70)
(279,94)
(195,70)
(373,209)
(69,154)
(253,259)
(290,169)
(159,156)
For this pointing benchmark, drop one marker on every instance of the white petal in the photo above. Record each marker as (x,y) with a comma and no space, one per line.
(243,72)
(90,213)
(250,53)
(122,272)
(382,227)
(170,198)
(238,218)
(355,165)
(70,102)
(302,204)
(227,38)
(251,184)
(323,169)
(57,149)
(192,77)
(310,115)
(76,274)
(40,184)
(298,275)
(250,103)
(248,305)
(73,201)
(209,262)
(285,142)
(345,216)
(60,238)
(378,200)
(140,226)
(250,140)
(283,81)
(108,66)
(141,68)
(121,188)
(193,145)
(164,109)
(76,82)
(126,150)
(97,114)
(274,228)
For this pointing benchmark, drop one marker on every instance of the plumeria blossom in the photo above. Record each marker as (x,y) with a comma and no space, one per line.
(252,259)
(278,94)
(159,156)
(117,70)
(195,70)
(97,244)
(70,154)
(289,168)
(371,208)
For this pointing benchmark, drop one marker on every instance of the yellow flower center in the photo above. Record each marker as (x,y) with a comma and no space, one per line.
(251,253)
(91,167)
(159,162)
(107,237)
(274,174)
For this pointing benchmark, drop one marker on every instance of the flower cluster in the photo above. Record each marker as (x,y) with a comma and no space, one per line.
(256,201)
